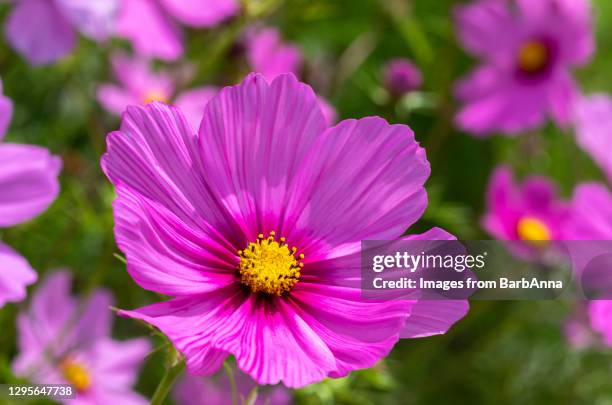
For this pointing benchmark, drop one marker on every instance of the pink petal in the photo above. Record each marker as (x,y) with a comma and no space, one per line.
(150,31)
(94,18)
(51,309)
(201,13)
(253,139)
(167,256)
(28,180)
(591,216)
(343,200)
(115,99)
(434,317)
(138,77)
(39,31)
(6,111)
(358,333)
(95,317)
(168,223)
(495,102)
(481,24)
(594,129)
(562,98)
(15,275)
(192,103)
(271,343)
(600,315)
(117,362)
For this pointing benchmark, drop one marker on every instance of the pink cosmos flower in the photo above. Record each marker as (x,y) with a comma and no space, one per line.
(28,180)
(138,85)
(66,341)
(254,225)
(193,390)
(44,31)
(594,129)
(401,76)
(527,48)
(529,212)
(147,23)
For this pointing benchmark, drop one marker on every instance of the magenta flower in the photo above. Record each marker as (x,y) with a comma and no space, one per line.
(139,85)
(66,341)
(529,212)
(269,55)
(527,49)
(594,129)
(44,31)
(193,390)
(254,227)
(147,23)
(28,180)
(401,76)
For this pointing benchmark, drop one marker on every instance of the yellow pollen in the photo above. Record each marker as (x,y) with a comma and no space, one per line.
(154,95)
(533,57)
(76,375)
(269,266)
(531,229)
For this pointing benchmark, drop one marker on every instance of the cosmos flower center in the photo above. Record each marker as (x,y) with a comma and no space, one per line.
(533,57)
(154,95)
(76,375)
(269,266)
(532,230)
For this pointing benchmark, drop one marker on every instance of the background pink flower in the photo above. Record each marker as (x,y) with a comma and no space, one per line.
(194,217)
(44,31)
(530,211)
(526,49)
(401,76)
(139,85)
(66,341)
(147,23)
(28,180)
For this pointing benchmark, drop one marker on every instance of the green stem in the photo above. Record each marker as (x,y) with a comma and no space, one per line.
(230,375)
(253,397)
(166,383)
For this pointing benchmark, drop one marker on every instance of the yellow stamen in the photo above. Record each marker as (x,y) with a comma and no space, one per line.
(269,266)
(76,375)
(533,57)
(154,95)
(531,229)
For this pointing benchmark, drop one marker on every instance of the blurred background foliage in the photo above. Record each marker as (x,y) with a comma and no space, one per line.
(502,352)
